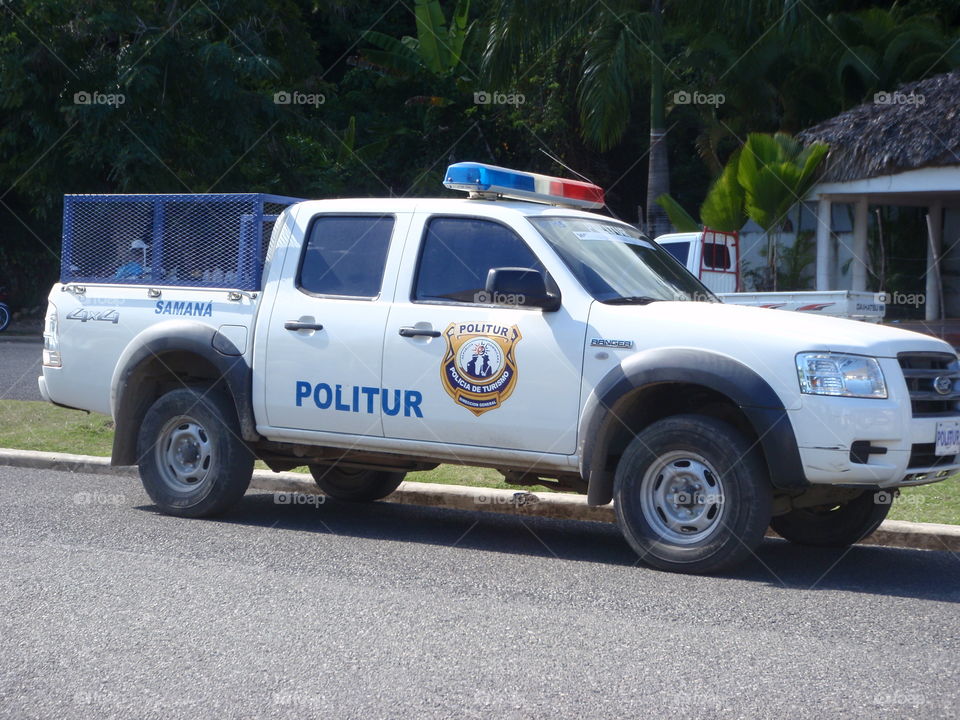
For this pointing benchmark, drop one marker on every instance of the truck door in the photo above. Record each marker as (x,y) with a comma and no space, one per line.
(325,337)
(719,262)
(490,373)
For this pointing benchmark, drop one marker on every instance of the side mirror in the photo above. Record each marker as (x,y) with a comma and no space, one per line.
(520,287)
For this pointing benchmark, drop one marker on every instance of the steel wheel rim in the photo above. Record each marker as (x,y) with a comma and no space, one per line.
(682,497)
(184,454)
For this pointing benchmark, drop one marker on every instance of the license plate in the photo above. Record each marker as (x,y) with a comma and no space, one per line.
(948,438)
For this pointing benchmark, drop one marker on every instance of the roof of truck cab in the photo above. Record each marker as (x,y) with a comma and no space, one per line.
(459,206)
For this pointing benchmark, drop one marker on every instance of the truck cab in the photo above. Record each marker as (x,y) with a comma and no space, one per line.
(714,257)
(512,329)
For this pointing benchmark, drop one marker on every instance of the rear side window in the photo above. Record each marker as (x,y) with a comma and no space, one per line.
(716,256)
(458,253)
(679,250)
(346,255)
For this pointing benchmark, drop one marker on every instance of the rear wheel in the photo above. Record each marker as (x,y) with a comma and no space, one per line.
(193,462)
(4,316)
(355,484)
(691,495)
(835,525)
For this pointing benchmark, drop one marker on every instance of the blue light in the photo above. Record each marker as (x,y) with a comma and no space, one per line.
(481,178)
(489,182)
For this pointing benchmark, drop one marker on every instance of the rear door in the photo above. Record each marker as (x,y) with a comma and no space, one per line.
(325,337)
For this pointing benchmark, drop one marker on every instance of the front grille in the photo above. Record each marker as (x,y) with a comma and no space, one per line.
(923,455)
(921,370)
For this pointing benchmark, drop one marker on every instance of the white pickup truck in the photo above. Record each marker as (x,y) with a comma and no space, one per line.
(714,257)
(374,337)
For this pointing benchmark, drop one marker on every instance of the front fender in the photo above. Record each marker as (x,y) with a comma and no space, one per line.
(180,336)
(740,384)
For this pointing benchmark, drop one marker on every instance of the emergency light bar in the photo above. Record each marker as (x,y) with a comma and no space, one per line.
(490,180)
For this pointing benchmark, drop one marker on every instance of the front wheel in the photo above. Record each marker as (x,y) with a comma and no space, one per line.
(691,495)
(4,316)
(835,525)
(193,462)
(355,484)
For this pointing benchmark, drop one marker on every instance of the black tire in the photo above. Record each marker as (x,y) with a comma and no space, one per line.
(354,484)
(692,496)
(834,526)
(193,462)
(4,316)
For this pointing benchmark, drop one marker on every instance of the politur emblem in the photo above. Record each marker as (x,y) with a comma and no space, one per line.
(479,368)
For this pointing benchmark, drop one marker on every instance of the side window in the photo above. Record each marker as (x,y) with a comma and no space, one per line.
(679,250)
(457,253)
(716,256)
(346,255)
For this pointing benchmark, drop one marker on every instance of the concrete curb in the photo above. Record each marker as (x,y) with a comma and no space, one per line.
(562,506)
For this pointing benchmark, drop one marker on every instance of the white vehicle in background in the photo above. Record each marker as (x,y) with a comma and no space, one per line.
(714,257)
(373,337)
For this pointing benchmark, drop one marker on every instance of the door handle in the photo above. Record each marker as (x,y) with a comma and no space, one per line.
(297,325)
(418,332)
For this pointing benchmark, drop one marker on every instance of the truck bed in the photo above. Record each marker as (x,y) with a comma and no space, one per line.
(865,306)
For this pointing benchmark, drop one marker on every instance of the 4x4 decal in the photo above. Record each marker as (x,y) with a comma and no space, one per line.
(83,315)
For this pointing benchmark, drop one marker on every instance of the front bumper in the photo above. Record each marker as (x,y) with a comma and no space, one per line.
(44,393)
(827,428)
(830,466)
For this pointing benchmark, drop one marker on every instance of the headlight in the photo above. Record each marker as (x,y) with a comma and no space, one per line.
(840,374)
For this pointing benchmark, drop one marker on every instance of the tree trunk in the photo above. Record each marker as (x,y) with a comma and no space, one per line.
(658,173)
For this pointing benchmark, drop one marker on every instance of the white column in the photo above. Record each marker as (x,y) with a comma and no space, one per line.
(824,269)
(934,245)
(861,257)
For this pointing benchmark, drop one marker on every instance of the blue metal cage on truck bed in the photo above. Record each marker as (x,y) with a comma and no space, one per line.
(203,240)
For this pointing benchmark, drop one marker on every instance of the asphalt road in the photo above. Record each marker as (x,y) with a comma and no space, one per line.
(19,369)
(109,609)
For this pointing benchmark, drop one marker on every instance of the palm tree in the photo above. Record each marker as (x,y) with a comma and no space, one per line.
(886,48)
(624,50)
(763,180)
(775,172)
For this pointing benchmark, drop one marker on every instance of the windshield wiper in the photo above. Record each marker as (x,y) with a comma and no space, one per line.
(631,300)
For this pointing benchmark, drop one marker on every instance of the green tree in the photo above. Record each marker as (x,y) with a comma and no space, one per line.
(775,172)
(723,208)
(884,48)
(437,48)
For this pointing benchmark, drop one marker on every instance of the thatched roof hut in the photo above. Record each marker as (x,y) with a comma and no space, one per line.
(902,149)
(916,126)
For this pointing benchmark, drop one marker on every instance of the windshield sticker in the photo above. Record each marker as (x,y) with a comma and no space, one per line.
(479,368)
(603,236)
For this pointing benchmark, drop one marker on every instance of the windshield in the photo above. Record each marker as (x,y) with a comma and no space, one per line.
(616,264)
